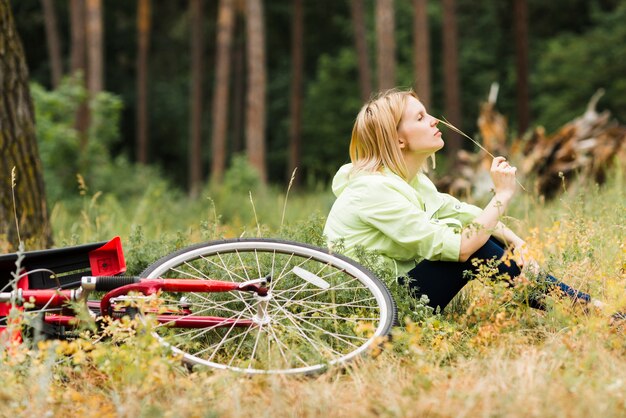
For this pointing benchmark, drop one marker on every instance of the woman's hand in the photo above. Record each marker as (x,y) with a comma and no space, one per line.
(524,259)
(503,176)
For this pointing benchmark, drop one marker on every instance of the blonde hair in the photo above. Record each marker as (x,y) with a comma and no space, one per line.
(374,142)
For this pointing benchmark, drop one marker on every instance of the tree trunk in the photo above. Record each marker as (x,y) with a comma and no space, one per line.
(521,58)
(18,147)
(257,80)
(386,44)
(239,84)
(52,38)
(95,50)
(421,51)
(78,64)
(452,101)
(297,57)
(143,46)
(225,26)
(360,43)
(196,13)
(77,28)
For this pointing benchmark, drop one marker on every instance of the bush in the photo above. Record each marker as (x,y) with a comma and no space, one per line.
(65,155)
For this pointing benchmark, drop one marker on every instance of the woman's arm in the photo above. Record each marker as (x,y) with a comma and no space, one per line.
(510,238)
(506,236)
(476,235)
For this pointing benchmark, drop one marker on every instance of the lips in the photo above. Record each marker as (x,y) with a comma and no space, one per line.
(438,133)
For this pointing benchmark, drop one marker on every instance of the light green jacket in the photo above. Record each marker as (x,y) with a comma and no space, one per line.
(404,222)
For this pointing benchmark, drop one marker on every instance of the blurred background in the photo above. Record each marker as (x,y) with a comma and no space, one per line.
(191,116)
(192,83)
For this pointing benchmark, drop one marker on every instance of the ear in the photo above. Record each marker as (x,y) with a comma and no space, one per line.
(401,142)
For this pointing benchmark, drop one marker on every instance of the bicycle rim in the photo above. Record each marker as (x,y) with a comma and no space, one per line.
(322,309)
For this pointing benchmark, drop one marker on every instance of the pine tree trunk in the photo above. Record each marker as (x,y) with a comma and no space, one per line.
(18,147)
(225,26)
(143,46)
(297,57)
(360,43)
(452,101)
(239,84)
(257,83)
(386,44)
(521,58)
(421,51)
(78,61)
(52,38)
(196,14)
(78,56)
(95,50)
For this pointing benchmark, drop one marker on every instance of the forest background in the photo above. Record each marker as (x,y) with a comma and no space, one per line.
(489,354)
(548,58)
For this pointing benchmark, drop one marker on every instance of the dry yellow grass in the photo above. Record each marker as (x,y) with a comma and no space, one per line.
(489,356)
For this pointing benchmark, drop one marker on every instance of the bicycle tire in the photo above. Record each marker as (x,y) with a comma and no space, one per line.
(308,328)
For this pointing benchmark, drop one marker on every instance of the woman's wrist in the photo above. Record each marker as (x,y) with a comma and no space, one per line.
(503,197)
(501,200)
(519,243)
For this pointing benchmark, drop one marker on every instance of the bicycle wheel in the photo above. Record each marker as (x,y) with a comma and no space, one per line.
(322,309)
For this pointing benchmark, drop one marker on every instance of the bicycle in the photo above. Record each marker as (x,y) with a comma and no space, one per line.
(248,305)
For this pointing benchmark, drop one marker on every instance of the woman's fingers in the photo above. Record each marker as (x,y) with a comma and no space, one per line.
(503,175)
(497,161)
(501,164)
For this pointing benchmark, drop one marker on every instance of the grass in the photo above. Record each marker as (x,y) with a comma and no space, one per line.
(488,355)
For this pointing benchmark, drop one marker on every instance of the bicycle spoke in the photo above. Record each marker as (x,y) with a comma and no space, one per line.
(204,276)
(243,335)
(258,264)
(279,343)
(281,274)
(225,268)
(320,291)
(230,275)
(342,304)
(204,331)
(299,330)
(221,305)
(332,316)
(326,332)
(243,266)
(303,328)
(256,343)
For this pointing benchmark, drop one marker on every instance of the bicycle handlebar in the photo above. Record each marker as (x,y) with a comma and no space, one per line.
(107,283)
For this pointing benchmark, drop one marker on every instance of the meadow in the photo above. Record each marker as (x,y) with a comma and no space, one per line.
(488,354)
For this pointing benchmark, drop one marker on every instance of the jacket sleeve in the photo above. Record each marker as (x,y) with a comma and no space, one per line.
(407,225)
(453,208)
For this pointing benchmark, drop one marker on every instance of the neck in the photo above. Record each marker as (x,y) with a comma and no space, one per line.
(414,162)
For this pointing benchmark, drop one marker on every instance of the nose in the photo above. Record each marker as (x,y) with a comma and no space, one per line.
(434,122)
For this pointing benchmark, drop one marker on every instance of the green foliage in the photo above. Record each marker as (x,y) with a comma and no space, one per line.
(574,66)
(65,155)
(241,177)
(332,102)
(58,140)
(484,347)
(576,46)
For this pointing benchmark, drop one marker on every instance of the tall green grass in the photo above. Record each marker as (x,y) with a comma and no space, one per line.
(489,355)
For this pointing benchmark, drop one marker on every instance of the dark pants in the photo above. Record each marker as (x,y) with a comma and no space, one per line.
(442,280)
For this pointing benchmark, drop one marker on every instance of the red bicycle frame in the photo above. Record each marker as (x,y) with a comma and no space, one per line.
(104,263)
(50,298)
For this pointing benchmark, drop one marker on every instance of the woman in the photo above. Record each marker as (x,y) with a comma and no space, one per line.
(385,203)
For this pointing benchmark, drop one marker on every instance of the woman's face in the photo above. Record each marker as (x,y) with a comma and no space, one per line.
(417,131)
